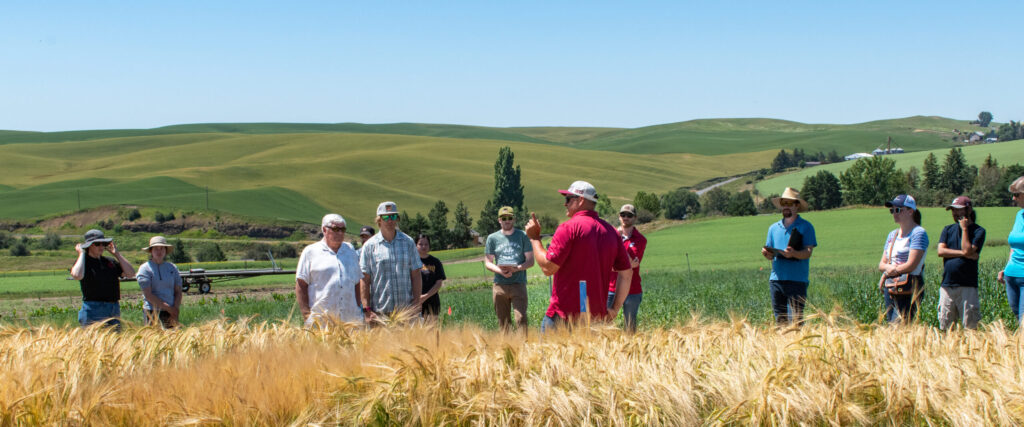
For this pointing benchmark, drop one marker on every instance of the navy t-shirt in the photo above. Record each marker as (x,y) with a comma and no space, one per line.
(960,271)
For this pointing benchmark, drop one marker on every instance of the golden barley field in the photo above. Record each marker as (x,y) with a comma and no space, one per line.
(831,371)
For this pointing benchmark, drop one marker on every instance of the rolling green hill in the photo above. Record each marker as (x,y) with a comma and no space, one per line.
(723,136)
(1006,153)
(439,130)
(298,170)
(307,173)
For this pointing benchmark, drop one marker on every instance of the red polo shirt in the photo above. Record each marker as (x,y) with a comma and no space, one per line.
(585,248)
(635,246)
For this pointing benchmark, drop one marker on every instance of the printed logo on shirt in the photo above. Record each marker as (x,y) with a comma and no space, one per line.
(428,268)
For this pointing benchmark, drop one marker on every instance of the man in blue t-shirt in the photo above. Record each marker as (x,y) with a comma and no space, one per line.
(959,247)
(509,254)
(789,245)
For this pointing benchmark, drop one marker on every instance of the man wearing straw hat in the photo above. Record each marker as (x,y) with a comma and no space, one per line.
(160,282)
(789,245)
(99,278)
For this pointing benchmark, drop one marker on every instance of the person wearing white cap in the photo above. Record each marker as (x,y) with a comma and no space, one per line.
(327,277)
(789,245)
(391,265)
(902,263)
(160,283)
(99,278)
(635,245)
(585,252)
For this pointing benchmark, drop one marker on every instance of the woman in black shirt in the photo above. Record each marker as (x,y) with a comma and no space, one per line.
(433,279)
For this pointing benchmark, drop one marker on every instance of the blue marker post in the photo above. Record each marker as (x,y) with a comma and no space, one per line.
(583,301)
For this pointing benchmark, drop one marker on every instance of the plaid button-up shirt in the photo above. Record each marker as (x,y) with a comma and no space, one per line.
(389,265)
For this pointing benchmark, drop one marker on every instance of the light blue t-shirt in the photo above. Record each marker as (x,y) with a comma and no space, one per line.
(797,270)
(163,279)
(918,239)
(1015,267)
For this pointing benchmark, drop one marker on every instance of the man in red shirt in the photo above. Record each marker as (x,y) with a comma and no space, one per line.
(635,244)
(584,249)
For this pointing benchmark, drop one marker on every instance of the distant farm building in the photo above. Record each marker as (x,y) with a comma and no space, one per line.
(882,152)
(856,156)
(991,139)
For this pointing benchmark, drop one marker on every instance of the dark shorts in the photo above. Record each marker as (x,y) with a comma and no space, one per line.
(432,306)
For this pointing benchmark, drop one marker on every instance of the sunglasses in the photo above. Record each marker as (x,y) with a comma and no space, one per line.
(569,198)
(787,203)
(626,215)
(507,218)
(895,210)
(389,217)
(337,229)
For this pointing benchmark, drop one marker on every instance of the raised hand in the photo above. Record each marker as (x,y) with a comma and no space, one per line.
(533,227)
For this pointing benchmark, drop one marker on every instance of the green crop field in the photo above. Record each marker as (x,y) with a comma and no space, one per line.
(725,136)
(1006,153)
(846,237)
(727,275)
(298,171)
(300,176)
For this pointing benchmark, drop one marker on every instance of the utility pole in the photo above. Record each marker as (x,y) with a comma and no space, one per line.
(207,197)
(79,193)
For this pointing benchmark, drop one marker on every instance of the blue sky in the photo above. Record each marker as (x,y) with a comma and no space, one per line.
(140,64)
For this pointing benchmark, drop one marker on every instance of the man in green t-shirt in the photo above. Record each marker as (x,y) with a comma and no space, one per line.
(508,255)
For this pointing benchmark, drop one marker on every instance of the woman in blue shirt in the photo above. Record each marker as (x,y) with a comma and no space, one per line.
(160,282)
(1013,275)
(903,253)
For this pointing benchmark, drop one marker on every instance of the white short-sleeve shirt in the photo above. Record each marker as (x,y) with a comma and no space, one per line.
(332,278)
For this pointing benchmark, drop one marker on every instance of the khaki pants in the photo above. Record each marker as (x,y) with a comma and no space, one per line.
(959,304)
(508,298)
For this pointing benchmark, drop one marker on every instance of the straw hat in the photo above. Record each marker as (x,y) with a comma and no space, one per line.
(158,241)
(791,194)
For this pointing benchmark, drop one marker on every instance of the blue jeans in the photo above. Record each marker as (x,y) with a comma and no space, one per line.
(1014,287)
(629,309)
(552,323)
(787,295)
(95,311)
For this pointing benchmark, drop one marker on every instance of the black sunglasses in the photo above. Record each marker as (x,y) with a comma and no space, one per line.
(626,215)
(337,229)
(507,218)
(895,210)
(569,198)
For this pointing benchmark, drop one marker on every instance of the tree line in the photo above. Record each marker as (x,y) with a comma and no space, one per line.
(874,180)
(798,158)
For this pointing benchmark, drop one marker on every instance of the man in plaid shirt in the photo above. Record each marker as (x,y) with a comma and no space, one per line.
(391,268)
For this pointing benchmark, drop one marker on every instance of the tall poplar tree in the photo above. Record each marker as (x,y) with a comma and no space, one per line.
(508,191)
(932,173)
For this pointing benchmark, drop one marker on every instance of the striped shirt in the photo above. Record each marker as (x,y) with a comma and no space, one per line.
(389,265)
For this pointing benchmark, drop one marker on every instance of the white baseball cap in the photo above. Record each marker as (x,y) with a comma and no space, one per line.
(582,189)
(387,208)
(331,219)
